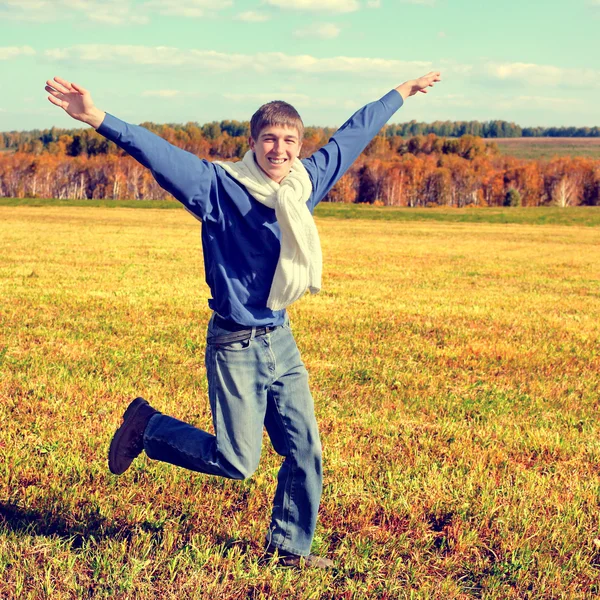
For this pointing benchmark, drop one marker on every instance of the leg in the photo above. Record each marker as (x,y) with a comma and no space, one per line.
(238,404)
(292,427)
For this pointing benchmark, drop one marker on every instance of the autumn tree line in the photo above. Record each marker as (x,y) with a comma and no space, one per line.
(421,170)
(39,140)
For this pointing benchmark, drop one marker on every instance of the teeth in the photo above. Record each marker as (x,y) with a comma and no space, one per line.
(277,161)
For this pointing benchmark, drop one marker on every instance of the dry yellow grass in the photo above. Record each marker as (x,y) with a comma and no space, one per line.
(455,369)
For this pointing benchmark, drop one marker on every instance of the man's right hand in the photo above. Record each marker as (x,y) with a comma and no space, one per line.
(410,88)
(75,101)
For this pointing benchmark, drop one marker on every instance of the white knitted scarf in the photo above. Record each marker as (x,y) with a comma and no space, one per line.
(300,260)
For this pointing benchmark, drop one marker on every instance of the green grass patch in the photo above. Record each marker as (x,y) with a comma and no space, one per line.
(588,215)
(548,148)
(42,202)
(545,215)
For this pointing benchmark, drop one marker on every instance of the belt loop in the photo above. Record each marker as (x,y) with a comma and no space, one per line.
(253,334)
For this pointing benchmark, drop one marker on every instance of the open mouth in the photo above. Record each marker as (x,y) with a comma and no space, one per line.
(276,161)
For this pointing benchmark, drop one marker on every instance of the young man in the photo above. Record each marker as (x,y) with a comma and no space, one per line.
(261,253)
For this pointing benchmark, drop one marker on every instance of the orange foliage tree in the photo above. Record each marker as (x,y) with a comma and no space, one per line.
(425,170)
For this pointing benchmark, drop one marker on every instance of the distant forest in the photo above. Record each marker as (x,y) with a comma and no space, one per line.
(85,142)
(424,170)
(401,166)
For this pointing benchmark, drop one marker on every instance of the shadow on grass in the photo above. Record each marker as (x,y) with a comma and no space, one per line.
(91,526)
(95,527)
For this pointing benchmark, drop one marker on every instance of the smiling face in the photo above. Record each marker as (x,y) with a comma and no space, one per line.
(275,150)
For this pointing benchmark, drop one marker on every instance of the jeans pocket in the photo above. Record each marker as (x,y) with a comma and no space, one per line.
(233,346)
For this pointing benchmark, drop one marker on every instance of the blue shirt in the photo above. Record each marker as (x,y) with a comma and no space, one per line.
(240,236)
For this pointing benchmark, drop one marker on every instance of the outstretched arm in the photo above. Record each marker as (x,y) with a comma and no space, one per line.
(327,165)
(181,173)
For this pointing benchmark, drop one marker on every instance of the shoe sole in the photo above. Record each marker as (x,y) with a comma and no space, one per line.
(131,411)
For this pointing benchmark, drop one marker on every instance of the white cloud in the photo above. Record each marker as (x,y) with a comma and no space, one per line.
(509,74)
(547,102)
(186,8)
(299,100)
(26,10)
(541,75)
(157,56)
(8,52)
(251,16)
(161,93)
(209,60)
(267,97)
(454,100)
(57,54)
(337,6)
(345,64)
(492,103)
(110,12)
(324,31)
(520,71)
(452,68)
(23,4)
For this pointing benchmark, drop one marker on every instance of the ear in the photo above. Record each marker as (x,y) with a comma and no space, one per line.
(299,149)
(251,142)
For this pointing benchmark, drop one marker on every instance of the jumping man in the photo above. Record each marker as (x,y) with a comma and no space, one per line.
(261,253)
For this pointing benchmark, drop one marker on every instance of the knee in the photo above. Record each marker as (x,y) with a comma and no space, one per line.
(241,470)
(242,474)
(314,444)
(311,457)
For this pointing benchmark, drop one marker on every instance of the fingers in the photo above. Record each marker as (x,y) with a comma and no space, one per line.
(78,88)
(57,102)
(432,77)
(60,85)
(56,94)
(63,86)
(429,80)
(64,83)
(53,91)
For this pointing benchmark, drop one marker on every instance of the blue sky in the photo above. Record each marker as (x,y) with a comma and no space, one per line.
(530,61)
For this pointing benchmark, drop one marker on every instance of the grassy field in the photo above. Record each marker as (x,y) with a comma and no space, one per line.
(548,147)
(587,216)
(456,375)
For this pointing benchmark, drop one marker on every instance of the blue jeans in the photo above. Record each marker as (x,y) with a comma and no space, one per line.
(261,381)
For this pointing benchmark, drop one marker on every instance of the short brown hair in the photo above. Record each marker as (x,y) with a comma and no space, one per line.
(276,113)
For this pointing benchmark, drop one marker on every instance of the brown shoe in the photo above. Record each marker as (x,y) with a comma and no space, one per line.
(128,441)
(287,559)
